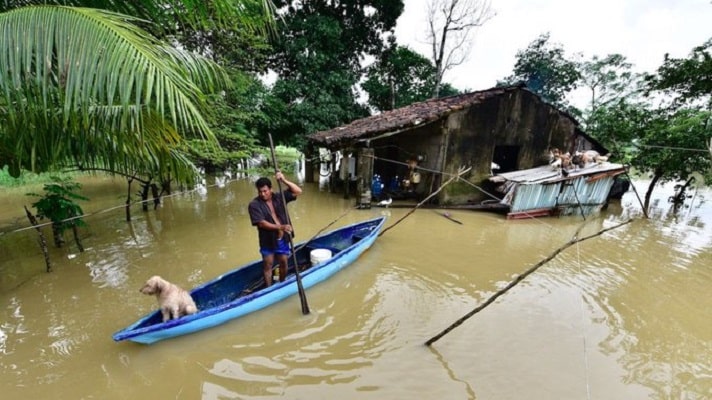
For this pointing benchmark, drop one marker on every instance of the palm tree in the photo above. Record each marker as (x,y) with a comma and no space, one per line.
(90,88)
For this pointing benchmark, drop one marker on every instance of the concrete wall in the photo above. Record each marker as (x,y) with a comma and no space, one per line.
(517,121)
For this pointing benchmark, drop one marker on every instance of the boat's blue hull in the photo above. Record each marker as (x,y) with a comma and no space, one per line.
(233,294)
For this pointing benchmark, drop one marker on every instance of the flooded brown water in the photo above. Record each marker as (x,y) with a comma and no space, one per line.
(624,315)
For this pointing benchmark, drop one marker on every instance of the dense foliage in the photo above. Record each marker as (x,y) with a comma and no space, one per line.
(687,80)
(401,77)
(609,79)
(318,62)
(544,68)
(89,89)
(668,137)
(180,83)
(58,204)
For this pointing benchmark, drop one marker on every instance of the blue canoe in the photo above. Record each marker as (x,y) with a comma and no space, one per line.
(241,291)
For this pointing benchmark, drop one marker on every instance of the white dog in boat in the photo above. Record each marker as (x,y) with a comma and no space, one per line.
(173,301)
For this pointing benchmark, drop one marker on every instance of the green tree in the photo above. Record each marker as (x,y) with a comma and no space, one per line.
(544,69)
(400,77)
(243,46)
(59,206)
(673,149)
(176,19)
(236,115)
(608,79)
(686,80)
(317,60)
(88,88)
(619,125)
(667,145)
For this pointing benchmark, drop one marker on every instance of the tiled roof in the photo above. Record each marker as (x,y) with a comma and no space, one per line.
(405,117)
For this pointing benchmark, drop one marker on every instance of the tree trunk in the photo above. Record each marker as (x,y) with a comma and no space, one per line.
(156,196)
(76,238)
(678,199)
(57,234)
(310,164)
(145,187)
(656,177)
(438,80)
(166,187)
(688,183)
(128,201)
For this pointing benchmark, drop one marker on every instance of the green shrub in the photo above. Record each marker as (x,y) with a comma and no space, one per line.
(57,204)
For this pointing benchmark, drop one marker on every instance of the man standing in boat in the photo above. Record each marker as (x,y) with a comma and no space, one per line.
(268,214)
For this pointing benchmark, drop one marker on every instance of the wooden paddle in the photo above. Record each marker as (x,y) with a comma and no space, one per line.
(302,293)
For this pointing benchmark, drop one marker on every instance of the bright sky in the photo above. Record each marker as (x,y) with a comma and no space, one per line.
(641,30)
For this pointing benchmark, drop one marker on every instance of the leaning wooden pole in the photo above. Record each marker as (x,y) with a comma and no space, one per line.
(460,172)
(518,279)
(642,206)
(42,240)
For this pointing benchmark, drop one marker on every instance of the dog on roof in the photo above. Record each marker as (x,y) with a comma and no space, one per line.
(583,158)
(559,160)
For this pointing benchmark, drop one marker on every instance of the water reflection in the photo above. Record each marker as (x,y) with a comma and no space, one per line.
(623,315)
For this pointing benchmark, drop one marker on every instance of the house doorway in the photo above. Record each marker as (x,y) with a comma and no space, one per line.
(506,157)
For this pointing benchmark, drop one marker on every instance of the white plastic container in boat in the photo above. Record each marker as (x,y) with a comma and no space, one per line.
(319,255)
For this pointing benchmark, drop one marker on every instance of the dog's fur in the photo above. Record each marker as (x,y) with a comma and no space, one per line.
(173,301)
(559,160)
(583,158)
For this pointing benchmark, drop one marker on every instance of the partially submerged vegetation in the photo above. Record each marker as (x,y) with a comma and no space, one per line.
(181,112)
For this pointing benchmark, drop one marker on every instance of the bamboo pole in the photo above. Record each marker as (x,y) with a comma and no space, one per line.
(575,239)
(460,172)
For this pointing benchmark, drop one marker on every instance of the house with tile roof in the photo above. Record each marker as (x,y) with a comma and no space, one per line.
(498,130)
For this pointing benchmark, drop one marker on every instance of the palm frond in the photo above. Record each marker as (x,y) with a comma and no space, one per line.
(169,15)
(69,72)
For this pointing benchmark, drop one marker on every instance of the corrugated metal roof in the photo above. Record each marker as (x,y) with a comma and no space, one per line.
(548,174)
(581,191)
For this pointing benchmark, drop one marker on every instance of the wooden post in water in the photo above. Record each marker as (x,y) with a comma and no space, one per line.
(364,168)
(42,240)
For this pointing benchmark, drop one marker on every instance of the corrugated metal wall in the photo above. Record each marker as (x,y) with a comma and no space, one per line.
(570,196)
(579,193)
(532,197)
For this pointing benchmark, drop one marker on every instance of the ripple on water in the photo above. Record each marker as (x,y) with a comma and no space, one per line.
(328,350)
(111,270)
